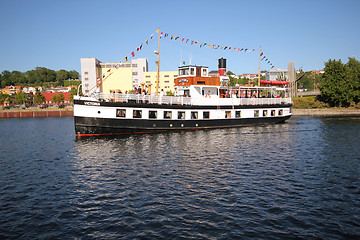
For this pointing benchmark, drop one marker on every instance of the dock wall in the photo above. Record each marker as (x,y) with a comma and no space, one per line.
(34,114)
(326,112)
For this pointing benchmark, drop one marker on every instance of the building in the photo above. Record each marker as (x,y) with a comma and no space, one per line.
(49,95)
(276,74)
(106,77)
(166,80)
(10,90)
(139,66)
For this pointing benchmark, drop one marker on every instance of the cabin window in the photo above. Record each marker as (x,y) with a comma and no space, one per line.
(200,82)
(206,115)
(238,114)
(272,113)
(227,114)
(198,72)
(256,113)
(265,112)
(184,71)
(167,114)
(153,114)
(192,71)
(280,112)
(120,113)
(137,113)
(204,72)
(181,115)
(194,115)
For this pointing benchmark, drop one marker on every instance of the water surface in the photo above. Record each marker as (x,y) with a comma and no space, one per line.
(298,180)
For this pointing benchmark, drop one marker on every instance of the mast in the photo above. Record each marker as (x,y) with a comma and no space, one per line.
(259,67)
(158,63)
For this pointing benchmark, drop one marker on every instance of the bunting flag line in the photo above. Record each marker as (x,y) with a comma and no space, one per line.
(184,40)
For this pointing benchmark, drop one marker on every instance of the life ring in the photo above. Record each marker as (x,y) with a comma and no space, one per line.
(207,96)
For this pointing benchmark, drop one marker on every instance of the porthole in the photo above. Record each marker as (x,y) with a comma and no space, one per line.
(171,125)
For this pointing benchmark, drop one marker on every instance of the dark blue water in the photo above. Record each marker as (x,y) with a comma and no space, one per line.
(299,180)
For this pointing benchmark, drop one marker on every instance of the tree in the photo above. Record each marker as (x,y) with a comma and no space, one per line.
(21,98)
(73,92)
(39,98)
(4,98)
(354,74)
(54,99)
(60,98)
(74,74)
(338,83)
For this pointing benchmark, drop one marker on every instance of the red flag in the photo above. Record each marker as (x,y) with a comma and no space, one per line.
(109,70)
(133,54)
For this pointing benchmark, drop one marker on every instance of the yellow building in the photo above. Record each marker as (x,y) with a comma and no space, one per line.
(107,77)
(166,80)
(115,77)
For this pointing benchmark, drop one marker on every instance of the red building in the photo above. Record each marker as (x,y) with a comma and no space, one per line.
(48,96)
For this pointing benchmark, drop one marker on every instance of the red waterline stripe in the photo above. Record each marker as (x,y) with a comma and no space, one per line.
(106,134)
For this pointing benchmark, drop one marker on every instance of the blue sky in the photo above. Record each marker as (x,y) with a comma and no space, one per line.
(56,34)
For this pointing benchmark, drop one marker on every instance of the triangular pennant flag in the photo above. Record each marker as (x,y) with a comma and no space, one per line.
(166,35)
(147,41)
(176,38)
(172,36)
(192,42)
(151,36)
(140,46)
(133,54)
(126,59)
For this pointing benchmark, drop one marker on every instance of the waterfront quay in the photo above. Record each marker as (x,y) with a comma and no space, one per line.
(34,113)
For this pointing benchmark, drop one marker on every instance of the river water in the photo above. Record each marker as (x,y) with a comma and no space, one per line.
(298,180)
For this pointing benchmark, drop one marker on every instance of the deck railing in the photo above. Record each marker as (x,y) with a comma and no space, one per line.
(180,100)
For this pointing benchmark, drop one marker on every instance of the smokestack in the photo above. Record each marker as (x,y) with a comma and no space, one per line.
(222,67)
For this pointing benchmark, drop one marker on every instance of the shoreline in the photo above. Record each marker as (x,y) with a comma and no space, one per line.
(69,112)
(326,112)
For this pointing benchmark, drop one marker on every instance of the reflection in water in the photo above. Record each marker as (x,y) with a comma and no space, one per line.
(293,180)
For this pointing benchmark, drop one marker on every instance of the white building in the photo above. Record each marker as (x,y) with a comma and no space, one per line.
(276,74)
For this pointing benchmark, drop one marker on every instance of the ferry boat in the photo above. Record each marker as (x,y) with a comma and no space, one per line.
(200,102)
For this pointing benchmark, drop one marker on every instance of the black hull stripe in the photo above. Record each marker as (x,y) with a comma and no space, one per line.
(85,126)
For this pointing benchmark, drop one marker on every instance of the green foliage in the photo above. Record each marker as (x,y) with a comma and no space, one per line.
(73,92)
(307,102)
(39,98)
(40,76)
(54,99)
(4,98)
(21,98)
(340,83)
(60,97)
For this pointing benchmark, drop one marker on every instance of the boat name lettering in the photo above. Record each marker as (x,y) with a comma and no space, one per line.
(183,80)
(92,103)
